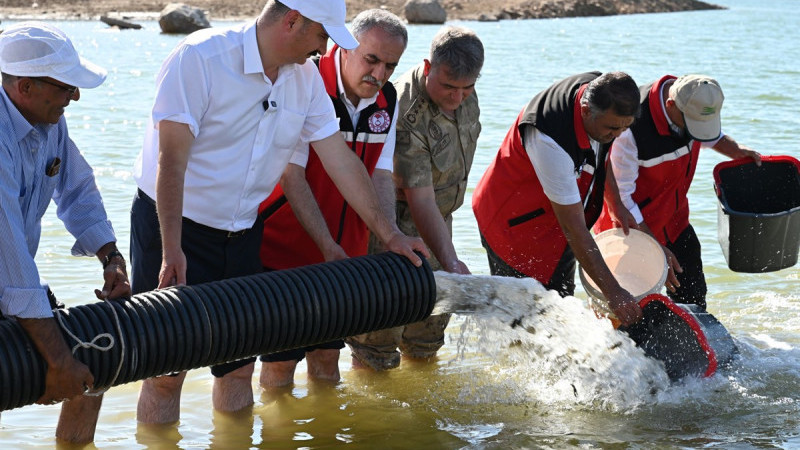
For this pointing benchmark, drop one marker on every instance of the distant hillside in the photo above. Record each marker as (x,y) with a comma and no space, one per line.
(456,9)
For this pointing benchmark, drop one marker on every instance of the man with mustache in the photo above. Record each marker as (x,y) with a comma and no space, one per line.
(231,108)
(366,104)
(437,135)
(538,198)
(42,74)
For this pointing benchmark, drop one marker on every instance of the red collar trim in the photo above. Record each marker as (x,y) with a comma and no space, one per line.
(327,68)
(657,107)
(577,119)
(381,100)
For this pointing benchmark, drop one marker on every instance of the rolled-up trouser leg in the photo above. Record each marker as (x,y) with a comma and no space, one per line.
(424,338)
(377,349)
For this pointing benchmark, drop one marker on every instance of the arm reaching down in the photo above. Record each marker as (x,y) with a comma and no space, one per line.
(352,180)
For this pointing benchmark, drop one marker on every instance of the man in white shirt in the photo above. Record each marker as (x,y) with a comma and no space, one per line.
(536,200)
(366,103)
(231,107)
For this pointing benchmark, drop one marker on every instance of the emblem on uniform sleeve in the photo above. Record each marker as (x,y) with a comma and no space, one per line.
(379,121)
(434,131)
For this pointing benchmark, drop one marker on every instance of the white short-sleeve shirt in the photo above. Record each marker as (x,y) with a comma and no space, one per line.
(214,82)
(554,167)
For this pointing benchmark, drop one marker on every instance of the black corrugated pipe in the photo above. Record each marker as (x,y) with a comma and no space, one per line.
(187,327)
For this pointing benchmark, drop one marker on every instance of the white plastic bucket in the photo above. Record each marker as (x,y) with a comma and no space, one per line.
(636,261)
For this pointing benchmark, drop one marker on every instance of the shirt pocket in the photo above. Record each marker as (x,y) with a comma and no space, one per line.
(288,129)
(44,193)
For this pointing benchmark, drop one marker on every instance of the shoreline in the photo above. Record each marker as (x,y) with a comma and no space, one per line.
(236,10)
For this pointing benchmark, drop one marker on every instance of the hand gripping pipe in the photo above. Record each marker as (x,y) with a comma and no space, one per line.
(187,327)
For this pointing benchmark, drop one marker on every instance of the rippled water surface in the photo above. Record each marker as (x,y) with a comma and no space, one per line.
(563,378)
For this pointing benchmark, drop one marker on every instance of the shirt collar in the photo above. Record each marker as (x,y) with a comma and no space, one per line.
(252,59)
(659,111)
(20,125)
(676,130)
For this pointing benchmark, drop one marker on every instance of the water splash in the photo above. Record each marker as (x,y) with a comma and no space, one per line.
(541,348)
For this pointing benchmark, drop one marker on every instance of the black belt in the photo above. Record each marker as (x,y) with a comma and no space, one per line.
(206,228)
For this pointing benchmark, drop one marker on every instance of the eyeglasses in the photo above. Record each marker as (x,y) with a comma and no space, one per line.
(64,87)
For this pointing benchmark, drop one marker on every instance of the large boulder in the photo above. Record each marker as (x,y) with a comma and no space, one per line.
(424,11)
(179,18)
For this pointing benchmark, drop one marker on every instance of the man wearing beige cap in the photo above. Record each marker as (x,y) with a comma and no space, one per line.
(654,163)
(231,107)
(42,73)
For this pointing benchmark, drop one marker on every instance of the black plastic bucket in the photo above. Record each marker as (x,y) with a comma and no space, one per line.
(758,215)
(688,341)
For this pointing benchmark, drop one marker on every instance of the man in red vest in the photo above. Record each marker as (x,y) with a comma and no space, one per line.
(317,224)
(654,163)
(542,193)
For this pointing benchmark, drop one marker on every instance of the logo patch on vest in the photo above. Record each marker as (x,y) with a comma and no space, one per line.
(379,121)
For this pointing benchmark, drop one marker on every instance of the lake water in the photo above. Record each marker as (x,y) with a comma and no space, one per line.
(551,384)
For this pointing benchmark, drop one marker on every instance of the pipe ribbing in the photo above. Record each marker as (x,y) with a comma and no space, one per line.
(187,327)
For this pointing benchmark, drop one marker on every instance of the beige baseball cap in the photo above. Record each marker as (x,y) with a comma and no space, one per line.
(700,100)
(37,49)
(331,14)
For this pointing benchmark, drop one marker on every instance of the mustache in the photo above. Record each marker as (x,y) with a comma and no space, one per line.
(372,80)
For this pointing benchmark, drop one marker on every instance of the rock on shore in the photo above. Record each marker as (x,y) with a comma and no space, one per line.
(456,9)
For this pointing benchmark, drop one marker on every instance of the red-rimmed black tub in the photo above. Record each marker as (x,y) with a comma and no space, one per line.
(758,218)
(689,342)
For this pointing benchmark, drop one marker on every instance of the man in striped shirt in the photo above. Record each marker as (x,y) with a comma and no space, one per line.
(41,75)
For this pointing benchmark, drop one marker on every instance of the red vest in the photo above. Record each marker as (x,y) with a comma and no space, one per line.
(666,167)
(286,244)
(514,215)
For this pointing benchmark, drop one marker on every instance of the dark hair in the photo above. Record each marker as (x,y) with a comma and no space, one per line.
(273,11)
(386,21)
(460,50)
(615,91)
(7,78)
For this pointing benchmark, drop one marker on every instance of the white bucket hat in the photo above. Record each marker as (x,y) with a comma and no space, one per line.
(331,14)
(36,49)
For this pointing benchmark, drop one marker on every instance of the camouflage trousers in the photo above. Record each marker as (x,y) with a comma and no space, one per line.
(380,350)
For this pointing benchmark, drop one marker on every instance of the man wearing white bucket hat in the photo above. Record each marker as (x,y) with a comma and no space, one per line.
(231,108)
(41,74)
(654,162)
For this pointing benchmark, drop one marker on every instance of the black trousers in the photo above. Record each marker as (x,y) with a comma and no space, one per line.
(562,281)
(693,287)
(211,255)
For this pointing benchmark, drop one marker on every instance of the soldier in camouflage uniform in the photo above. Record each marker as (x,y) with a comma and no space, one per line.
(437,135)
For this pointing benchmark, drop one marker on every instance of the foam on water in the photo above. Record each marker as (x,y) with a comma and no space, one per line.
(531,349)
(539,347)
